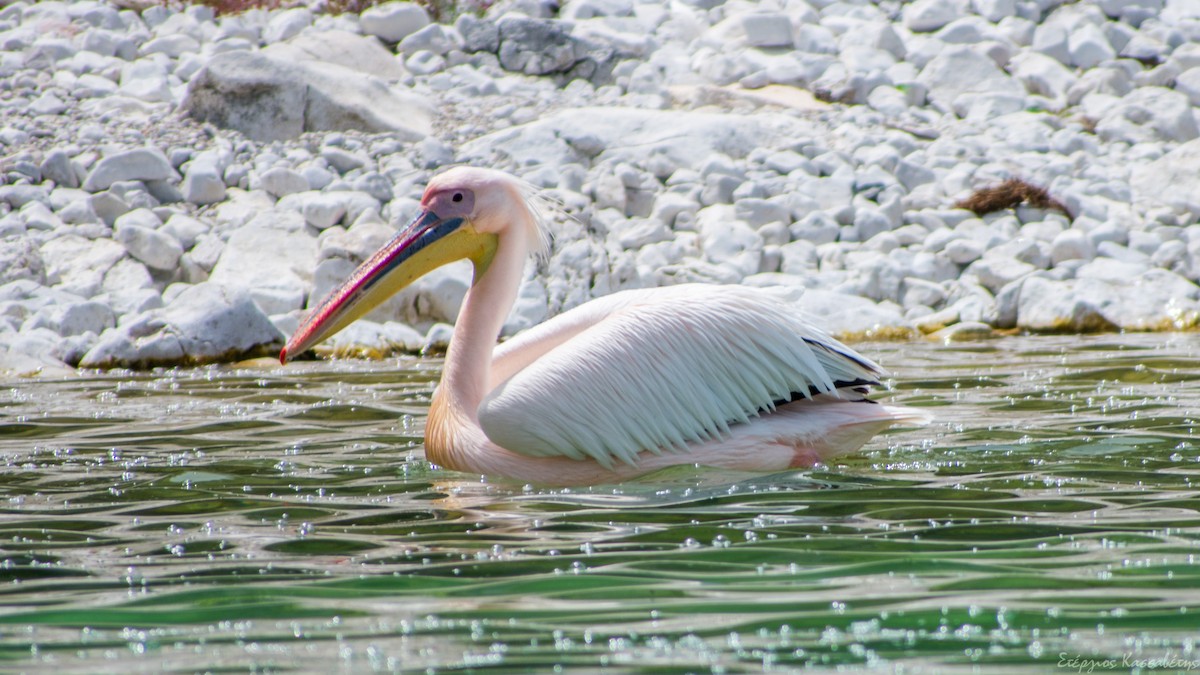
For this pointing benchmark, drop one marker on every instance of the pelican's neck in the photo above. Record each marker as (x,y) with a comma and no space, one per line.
(484,309)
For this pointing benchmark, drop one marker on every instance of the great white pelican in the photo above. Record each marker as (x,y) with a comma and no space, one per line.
(724,376)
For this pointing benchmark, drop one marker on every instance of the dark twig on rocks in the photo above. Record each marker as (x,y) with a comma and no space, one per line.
(1010,194)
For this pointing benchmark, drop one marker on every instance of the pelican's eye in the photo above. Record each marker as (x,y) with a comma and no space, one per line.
(457,197)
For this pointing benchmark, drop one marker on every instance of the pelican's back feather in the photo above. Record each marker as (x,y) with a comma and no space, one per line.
(667,367)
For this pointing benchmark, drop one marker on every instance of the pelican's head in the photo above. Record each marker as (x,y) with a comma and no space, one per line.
(464,213)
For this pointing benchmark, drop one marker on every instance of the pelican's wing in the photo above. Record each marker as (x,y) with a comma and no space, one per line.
(664,368)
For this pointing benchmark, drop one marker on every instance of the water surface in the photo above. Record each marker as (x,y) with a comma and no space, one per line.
(259,517)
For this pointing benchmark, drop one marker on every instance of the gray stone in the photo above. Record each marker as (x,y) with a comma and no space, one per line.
(536,46)
(478,35)
(57,167)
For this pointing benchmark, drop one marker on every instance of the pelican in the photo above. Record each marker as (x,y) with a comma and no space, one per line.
(723,376)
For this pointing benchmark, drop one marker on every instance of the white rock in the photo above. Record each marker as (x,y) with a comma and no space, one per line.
(924,16)
(994,10)
(1149,114)
(38,216)
(185,229)
(1154,300)
(922,292)
(325,209)
(146,80)
(269,98)
(125,276)
(799,258)
(157,250)
(434,38)
(1089,46)
(592,135)
(995,272)
(287,24)
(393,21)
(174,45)
(1188,83)
(962,70)
(1072,244)
(850,316)
(142,164)
(1042,75)
(204,323)
(144,218)
(203,184)
(78,265)
(74,318)
(361,53)
(729,242)
(273,266)
(1173,181)
(279,181)
(48,104)
(20,259)
(767,29)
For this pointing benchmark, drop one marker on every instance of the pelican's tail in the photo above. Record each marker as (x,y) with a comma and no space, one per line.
(829,428)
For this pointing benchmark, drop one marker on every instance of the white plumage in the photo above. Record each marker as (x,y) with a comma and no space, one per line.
(718,375)
(661,368)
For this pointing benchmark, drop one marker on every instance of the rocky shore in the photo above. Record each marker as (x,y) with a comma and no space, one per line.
(176,187)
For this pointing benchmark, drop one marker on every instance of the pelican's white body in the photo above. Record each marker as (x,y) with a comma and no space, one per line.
(625,384)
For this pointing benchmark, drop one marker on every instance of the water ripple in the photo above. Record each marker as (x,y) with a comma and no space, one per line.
(259,517)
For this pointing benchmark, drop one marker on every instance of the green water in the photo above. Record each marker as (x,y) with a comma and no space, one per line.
(262,518)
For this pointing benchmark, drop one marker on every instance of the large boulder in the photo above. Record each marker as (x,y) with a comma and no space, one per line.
(268,98)
(205,323)
(1155,300)
(361,53)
